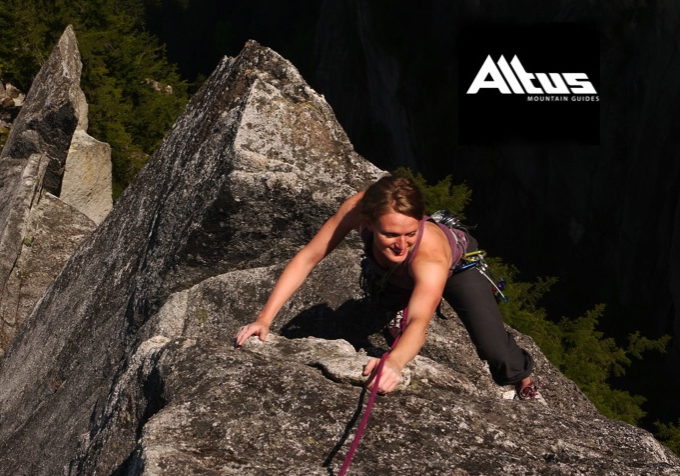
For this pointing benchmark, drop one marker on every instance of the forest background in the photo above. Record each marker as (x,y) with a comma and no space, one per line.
(142,59)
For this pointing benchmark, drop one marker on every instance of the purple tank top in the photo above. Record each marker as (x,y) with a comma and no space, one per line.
(457,242)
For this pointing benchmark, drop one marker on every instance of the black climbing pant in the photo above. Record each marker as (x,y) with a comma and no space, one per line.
(471,296)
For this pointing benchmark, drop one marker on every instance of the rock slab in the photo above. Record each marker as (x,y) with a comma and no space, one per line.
(31,167)
(38,230)
(293,400)
(54,230)
(256,154)
(87,176)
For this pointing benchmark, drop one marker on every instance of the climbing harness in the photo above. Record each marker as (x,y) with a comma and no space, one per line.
(371,399)
(449,219)
(475,259)
(395,322)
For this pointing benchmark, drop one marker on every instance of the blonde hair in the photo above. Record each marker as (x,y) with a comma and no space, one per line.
(392,194)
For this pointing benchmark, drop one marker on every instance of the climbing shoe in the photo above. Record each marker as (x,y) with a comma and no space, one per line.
(529,392)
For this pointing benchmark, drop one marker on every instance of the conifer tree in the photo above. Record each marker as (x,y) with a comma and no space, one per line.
(133,92)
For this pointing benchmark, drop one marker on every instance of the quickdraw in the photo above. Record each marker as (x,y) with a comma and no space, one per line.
(449,219)
(475,259)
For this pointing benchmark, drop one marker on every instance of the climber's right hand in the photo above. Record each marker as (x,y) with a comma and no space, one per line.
(252,329)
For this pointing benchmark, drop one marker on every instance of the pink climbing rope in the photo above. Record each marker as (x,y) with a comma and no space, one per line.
(371,399)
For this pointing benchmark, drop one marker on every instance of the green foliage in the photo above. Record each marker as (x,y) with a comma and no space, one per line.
(576,346)
(523,312)
(27,38)
(638,344)
(590,359)
(441,196)
(669,434)
(123,66)
(125,109)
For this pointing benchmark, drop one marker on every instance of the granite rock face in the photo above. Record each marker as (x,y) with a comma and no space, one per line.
(41,221)
(126,364)
(87,177)
(53,231)
(290,400)
(43,128)
(257,155)
(47,119)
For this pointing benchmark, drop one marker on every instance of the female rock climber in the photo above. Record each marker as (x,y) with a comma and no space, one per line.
(413,259)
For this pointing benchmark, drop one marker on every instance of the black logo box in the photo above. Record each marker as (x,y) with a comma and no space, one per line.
(492,118)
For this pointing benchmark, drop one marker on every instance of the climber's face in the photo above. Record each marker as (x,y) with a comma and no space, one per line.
(394,235)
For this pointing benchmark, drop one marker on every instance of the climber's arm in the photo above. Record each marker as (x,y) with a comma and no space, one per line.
(430,275)
(326,239)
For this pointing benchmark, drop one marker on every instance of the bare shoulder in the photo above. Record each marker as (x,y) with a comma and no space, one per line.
(434,246)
